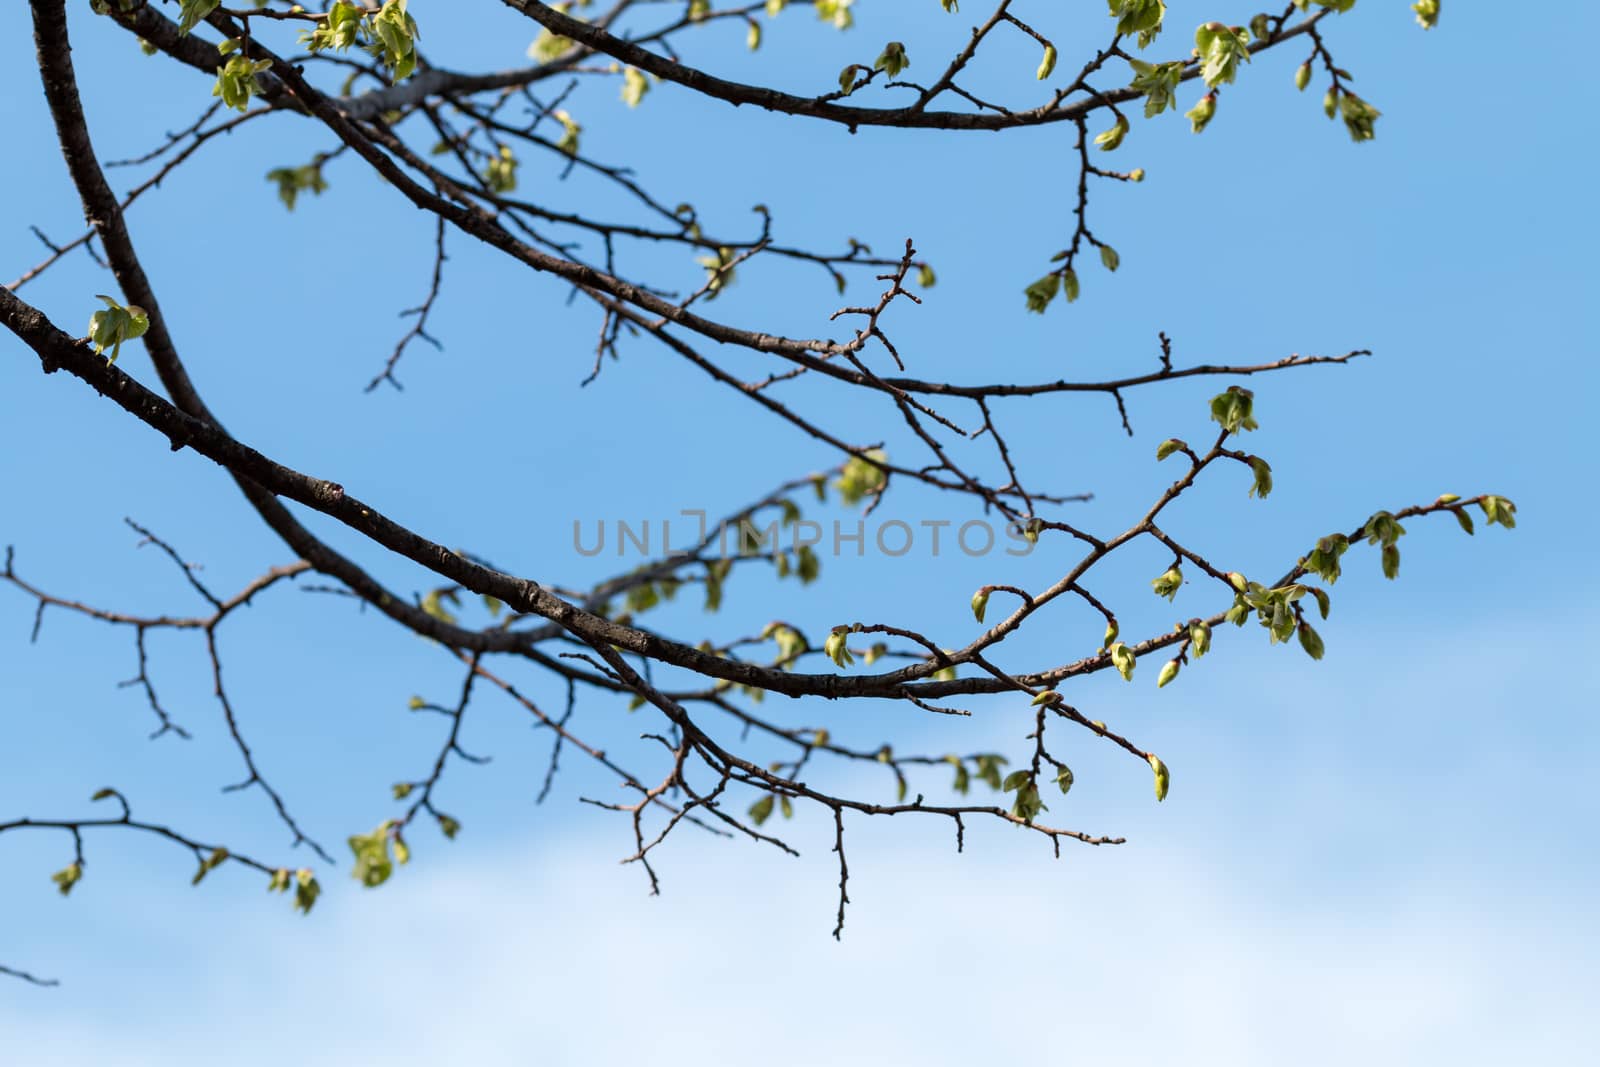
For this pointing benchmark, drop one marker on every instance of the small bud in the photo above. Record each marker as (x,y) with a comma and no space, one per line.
(980,603)
(1048,63)
(1302,76)
(1163,776)
(1168,672)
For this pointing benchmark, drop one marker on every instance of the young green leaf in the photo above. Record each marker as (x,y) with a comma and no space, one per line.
(1110,140)
(1168,582)
(67,877)
(1234,409)
(892,60)
(1263,478)
(1310,640)
(1123,659)
(1201,114)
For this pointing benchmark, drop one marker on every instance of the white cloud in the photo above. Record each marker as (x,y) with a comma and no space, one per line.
(1128,958)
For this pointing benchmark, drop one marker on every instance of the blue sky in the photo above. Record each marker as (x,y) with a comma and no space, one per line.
(1383,856)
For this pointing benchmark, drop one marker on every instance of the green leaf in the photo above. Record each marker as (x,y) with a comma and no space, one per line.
(1324,558)
(306,890)
(501,176)
(761,810)
(373,864)
(1041,292)
(863,476)
(292,181)
(1123,659)
(835,649)
(67,877)
(1383,529)
(192,12)
(1263,478)
(1028,804)
(1159,84)
(1234,409)
(1359,117)
(1221,48)
(892,60)
(1110,140)
(989,770)
(1142,17)
(236,81)
(634,85)
(1497,509)
(568,143)
(1168,582)
(209,864)
(114,324)
(836,12)
(1202,113)
(1310,640)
